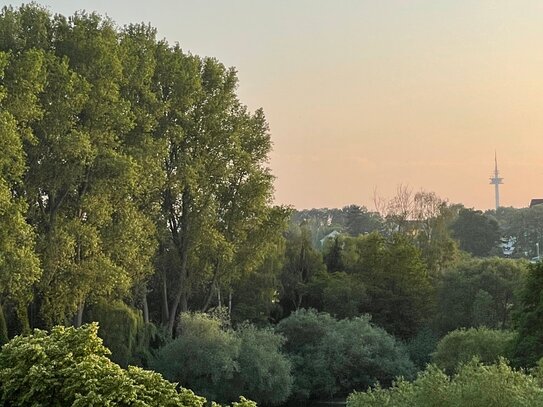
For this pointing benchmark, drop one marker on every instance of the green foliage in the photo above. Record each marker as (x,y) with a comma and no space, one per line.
(3,327)
(525,225)
(475,385)
(460,346)
(421,347)
(258,295)
(528,321)
(396,281)
(302,262)
(123,331)
(340,294)
(19,265)
(264,372)
(203,357)
(70,367)
(220,363)
(477,233)
(478,292)
(332,358)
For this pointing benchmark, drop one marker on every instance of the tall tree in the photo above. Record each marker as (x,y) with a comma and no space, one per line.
(302,263)
(65,80)
(478,234)
(19,265)
(218,186)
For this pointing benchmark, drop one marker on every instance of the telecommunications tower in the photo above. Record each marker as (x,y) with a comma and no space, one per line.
(496,181)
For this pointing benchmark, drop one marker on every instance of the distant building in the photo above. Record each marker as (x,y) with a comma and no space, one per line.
(496,180)
(536,201)
(331,235)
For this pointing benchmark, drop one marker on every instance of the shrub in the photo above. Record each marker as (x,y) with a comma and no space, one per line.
(460,346)
(203,357)
(475,385)
(70,367)
(264,372)
(331,358)
(221,363)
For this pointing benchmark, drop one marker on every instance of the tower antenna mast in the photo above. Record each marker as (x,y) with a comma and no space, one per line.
(496,181)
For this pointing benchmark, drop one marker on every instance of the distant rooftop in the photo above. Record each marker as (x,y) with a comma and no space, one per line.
(537,201)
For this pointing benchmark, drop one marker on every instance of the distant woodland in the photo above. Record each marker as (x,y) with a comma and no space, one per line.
(137,227)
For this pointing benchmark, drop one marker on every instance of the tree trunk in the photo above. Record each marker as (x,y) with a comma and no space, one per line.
(3,327)
(230,303)
(145,306)
(180,238)
(22,314)
(165,309)
(79,316)
(180,297)
(212,286)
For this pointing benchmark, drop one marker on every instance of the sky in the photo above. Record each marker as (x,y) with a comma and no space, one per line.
(364,96)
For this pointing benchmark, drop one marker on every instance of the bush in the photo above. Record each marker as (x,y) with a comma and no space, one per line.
(460,346)
(331,358)
(264,372)
(475,385)
(70,367)
(221,363)
(202,357)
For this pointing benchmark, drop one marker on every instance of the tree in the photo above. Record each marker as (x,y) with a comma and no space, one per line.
(462,345)
(524,225)
(81,185)
(528,346)
(433,218)
(478,292)
(222,363)
(302,262)
(396,281)
(359,221)
(478,234)
(19,265)
(218,187)
(264,373)
(257,299)
(340,294)
(332,358)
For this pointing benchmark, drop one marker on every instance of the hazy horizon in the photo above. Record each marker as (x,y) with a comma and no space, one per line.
(367,95)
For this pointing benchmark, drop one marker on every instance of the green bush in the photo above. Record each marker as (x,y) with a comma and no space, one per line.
(70,367)
(202,357)
(460,346)
(220,363)
(475,385)
(331,358)
(264,372)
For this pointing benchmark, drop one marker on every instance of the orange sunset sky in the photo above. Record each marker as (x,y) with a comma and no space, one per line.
(363,95)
